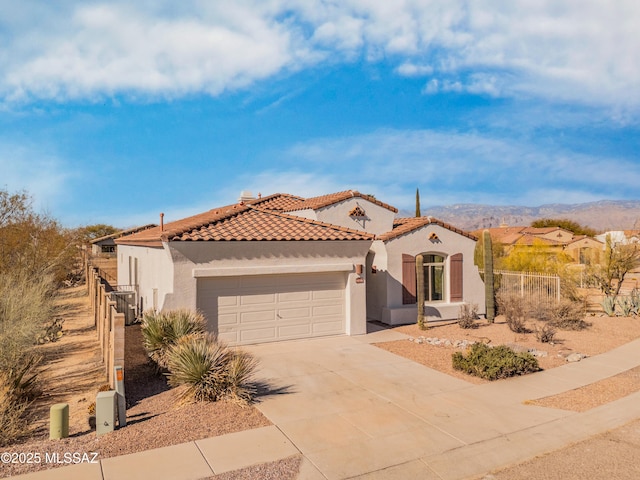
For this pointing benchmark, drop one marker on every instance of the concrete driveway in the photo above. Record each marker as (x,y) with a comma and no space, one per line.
(354,410)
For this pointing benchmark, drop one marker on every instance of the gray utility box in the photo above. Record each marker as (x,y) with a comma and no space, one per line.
(106,405)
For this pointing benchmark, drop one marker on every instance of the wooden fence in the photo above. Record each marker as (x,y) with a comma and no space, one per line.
(538,287)
(109,323)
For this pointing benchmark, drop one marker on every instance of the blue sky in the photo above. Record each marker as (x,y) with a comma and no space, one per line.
(111,112)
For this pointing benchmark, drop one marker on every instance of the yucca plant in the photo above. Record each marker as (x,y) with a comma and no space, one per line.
(205,369)
(161,330)
(240,372)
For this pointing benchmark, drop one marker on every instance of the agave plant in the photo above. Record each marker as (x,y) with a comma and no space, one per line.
(626,306)
(161,330)
(609,305)
(205,369)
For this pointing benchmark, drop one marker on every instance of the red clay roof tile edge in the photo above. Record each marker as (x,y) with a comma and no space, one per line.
(409,224)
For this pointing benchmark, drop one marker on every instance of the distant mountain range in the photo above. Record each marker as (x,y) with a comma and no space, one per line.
(602,216)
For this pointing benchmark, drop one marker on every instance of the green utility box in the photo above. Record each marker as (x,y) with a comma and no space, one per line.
(59,421)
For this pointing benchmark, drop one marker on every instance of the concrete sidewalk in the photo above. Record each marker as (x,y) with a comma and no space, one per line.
(356,411)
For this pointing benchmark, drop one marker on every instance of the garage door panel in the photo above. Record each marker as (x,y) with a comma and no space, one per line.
(324,310)
(228,301)
(294,331)
(257,335)
(288,313)
(227,319)
(229,337)
(327,294)
(272,307)
(259,316)
(303,296)
(257,299)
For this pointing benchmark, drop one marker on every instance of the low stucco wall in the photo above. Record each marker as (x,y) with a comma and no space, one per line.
(408,314)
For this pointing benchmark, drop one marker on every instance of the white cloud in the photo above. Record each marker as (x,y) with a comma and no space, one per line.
(580,51)
(409,69)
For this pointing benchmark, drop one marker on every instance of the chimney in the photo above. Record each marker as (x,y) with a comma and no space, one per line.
(162,222)
(245,195)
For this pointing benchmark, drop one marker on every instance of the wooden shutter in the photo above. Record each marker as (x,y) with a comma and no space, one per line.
(455,271)
(408,279)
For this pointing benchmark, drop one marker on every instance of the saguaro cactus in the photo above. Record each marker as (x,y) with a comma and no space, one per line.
(488,276)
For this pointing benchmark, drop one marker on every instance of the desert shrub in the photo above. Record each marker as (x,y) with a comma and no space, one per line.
(468,315)
(26,303)
(609,306)
(515,309)
(13,424)
(541,310)
(634,298)
(546,333)
(161,330)
(18,388)
(626,306)
(205,369)
(568,315)
(494,363)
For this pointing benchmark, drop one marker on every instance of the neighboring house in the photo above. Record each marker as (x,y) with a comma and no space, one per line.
(285,267)
(620,237)
(107,246)
(585,250)
(554,240)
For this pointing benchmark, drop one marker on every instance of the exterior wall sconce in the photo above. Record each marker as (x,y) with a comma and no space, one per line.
(359,269)
(374,269)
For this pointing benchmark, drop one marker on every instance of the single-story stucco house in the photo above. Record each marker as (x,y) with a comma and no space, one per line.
(286,267)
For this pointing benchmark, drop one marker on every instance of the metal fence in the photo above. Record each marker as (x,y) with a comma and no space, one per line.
(538,287)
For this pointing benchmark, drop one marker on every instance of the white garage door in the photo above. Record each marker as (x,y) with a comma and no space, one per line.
(264,308)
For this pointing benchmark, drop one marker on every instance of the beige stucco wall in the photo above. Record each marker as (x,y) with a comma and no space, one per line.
(378,219)
(390,269)
(376,282)
(193,260)
(155,271)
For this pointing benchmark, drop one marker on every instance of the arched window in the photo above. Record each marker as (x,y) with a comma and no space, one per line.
(434,277)
(441,282)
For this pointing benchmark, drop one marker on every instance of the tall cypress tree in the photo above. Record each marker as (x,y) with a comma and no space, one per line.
(418,214)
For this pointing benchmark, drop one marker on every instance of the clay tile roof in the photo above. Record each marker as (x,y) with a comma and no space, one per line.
(402,226)
(155,236)
(277,201)
(244,222)
(256,224)
(322,201)
(529,239)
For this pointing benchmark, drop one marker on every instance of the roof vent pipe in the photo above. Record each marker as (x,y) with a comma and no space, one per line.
(162,222)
